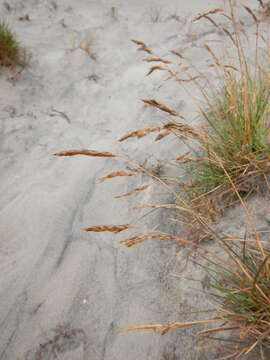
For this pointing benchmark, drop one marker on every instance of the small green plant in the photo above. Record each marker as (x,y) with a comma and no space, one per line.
(11,52)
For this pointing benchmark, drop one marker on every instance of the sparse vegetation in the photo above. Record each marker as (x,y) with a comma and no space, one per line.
(234,140)
(85,44)
(242,290)
(228,160)
(11,52)
(239,285)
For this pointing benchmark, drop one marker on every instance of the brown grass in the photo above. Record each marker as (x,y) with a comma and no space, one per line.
(94,153)
(114,174)
(85,44)
(139,133)
(157,59)
(160,106)
(209,12)
(135,190)
(142,46)
(108,228)
(228,158)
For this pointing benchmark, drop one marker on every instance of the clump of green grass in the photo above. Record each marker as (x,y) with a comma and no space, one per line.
(236,138)
(11,52)
(235,144)
(243,292)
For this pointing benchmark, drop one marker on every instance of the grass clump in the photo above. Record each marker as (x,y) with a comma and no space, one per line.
(239,286)
(243,292)
(11,52)
(236,138)
(233,143)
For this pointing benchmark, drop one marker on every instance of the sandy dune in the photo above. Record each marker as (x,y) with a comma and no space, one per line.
(64,294)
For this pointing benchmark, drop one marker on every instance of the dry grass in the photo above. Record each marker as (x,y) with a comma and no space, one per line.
(114,174)
(162,107)
(235,132)
(142,46)
(133,191)
(228,160)
(85,44)
(108,228)
(94,153)
(240,287)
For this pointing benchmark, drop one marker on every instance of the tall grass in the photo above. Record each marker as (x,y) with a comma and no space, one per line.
(236,136)
(228,160)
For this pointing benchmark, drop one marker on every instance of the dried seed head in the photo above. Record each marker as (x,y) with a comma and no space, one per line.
(162,135)
(143,46)
(93,153)
(183,158)
(182,129)
(114,174)
(157,59)
(160,106)
(154,68)
(209,12)
(138,189)
(140,133)
(131,241)
(108,228)
(138,42)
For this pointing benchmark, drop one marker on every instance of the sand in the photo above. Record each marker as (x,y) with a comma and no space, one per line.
(65,293)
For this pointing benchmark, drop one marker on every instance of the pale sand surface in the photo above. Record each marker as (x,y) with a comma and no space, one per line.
(64,294)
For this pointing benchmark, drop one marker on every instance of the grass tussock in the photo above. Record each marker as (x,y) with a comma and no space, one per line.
(240,288)
(228,159)
(243,293)
(11,52)
(236,137)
